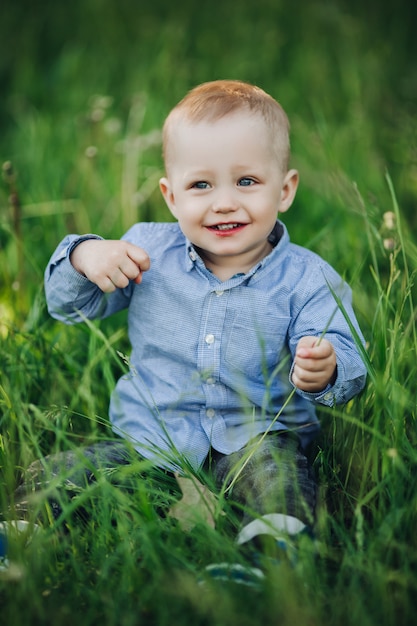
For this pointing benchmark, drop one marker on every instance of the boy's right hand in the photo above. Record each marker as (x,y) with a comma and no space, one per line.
(110,264)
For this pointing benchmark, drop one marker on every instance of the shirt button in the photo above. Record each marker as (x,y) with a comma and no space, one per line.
(210,413)
(209,339)
(328,396)
(210,381)
(219,292)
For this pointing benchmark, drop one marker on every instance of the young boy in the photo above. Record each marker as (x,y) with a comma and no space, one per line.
(226,317)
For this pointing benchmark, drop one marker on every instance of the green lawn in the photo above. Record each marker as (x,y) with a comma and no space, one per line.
(85,87)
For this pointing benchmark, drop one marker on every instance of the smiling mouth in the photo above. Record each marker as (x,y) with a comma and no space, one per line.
(226,226)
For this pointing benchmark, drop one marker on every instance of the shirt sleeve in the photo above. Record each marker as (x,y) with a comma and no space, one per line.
(70,296)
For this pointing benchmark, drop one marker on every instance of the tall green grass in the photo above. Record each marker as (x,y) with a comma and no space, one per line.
(81,116)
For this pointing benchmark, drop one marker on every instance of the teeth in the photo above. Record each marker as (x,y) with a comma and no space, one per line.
(226,226)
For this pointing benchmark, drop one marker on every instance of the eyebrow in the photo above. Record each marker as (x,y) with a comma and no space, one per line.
(197,174)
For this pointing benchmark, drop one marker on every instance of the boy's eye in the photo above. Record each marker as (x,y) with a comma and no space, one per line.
(200,184)
(246,182)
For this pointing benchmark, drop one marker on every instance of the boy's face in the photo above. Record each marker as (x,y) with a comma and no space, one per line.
(225,187)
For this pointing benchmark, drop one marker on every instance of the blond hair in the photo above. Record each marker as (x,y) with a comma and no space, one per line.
(213,100)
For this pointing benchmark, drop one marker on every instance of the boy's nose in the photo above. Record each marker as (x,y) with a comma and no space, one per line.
(225,202)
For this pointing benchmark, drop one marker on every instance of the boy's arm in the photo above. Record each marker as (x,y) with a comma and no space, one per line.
(326,369)
(71,296)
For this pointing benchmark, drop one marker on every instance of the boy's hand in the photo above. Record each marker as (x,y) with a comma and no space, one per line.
(110,264)
(315,365)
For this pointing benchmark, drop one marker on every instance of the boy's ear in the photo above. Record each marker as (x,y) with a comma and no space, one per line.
(289,189)
(168,194)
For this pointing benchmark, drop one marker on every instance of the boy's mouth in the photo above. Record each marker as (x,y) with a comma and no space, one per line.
(231,226)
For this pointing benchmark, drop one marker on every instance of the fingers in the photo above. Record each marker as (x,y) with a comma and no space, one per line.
(110,264)
(141,263)
(125,271)
(310,381)
(314,364)
(124,266)
(313,347)
(139,257)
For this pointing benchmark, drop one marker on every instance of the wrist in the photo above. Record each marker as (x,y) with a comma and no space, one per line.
(75,250)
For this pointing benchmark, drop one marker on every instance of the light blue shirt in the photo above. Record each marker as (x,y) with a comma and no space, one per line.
(211,360)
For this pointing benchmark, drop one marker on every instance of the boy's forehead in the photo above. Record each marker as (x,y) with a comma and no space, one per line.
(239,122)
(188,133)
(241,116)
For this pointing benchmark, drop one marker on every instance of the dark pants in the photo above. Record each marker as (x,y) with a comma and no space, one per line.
(269,475)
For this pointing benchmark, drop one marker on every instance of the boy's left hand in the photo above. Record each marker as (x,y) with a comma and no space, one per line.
(314,365)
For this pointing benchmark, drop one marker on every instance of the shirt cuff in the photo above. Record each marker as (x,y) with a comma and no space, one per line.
(327,396)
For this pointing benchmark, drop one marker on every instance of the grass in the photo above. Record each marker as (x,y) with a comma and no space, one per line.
(80,124)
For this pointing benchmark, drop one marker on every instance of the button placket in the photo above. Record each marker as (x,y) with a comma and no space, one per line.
(212,325)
